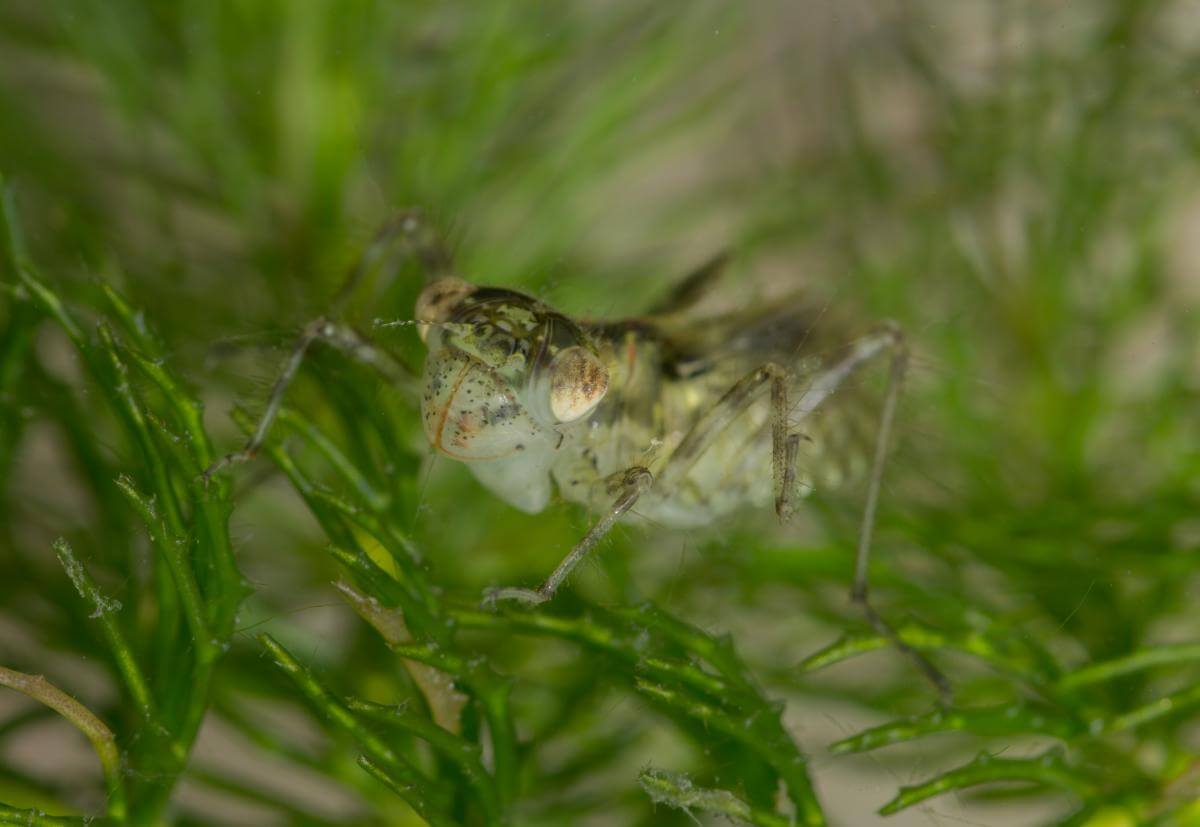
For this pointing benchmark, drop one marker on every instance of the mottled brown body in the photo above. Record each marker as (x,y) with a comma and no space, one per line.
(526,395)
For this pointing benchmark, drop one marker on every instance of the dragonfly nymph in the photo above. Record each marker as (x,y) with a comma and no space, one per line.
(685,421)
(690,428)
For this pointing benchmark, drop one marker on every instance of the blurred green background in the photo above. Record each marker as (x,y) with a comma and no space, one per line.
(1014,182)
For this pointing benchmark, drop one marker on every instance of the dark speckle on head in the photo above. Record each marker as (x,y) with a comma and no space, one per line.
(502,413)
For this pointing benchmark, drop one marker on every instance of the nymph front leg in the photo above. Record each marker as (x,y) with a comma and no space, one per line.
(405,234)
(630,485)
(338,336)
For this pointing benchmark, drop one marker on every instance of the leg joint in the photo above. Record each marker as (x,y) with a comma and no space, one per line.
(632,480)
(774,371)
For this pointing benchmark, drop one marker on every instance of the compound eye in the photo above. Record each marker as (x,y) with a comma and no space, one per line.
(578,381)
(438,300)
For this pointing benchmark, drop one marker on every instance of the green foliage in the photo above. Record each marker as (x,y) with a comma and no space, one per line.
(1013,182)
(165,646)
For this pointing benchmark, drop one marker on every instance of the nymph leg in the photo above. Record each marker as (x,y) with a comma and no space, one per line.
(410,236)
(630,485)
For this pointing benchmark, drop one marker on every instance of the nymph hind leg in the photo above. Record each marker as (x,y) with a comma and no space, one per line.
(628,486)
(784,445)
(405,234)
(890,341)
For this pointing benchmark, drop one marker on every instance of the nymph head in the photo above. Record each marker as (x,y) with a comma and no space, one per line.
(504,373)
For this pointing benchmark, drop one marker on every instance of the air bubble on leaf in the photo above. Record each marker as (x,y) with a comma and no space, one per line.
(105,606)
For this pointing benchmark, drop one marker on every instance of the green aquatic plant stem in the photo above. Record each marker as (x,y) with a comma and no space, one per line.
(367,492)
(340,520)
(592,630)
(1009,719)
(127,402)
(105,610)
(444,699)
(924,639)
(462,753)
(173,551)
(101,737)
(209,497)
(758,734)
(373,514)
(384,762)
(1146,658)
(1176,703)
(36,818)
(492,691)
(407,789)
(742,715)
(1047,769)
(187,525)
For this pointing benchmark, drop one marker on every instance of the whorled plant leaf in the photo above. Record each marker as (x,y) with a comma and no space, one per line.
(1047,770)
